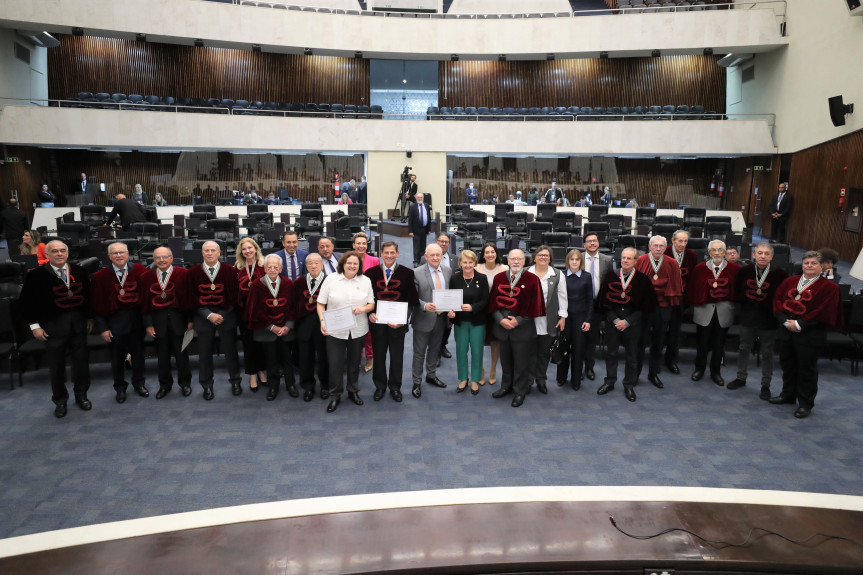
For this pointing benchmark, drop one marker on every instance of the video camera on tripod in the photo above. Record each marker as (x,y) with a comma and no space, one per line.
(402,200)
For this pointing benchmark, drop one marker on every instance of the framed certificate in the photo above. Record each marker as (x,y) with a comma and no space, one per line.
(339,319)
(392,312)
(448,299)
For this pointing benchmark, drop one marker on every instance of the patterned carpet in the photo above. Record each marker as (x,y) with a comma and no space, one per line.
(148,457)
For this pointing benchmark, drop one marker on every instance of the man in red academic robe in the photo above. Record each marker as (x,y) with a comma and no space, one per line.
(516,299)
(686,260)
(214,293)
(625,299)
(117,303)
(270,316)
(806,306)
(311,343)
(711,291)
(664,272)
(166,304)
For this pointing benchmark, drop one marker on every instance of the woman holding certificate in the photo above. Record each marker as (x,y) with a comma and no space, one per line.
(470,321)
(344,301)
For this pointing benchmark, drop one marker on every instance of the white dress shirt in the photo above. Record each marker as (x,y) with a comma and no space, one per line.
(339,291)
(594,277)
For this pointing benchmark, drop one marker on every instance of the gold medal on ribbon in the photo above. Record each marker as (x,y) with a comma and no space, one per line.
(275,302)
(122,291)
(212,287)
(758,291)
(163,295)
(715,285)
(510,293)
(311,300)
(655,276)
(797,297)
(70,293)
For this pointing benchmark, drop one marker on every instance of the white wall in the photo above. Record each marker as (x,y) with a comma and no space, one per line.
(88,128)
(238,26)
(385,169)
(822,59)
(17,79)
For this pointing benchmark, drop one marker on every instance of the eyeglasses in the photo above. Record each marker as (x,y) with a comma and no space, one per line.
(117,253)
(157,258)
(542,255)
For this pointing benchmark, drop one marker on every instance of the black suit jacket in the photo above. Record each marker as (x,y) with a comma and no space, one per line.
(362,193)
(414,223)
(13,223)
(129,212)
(785,207)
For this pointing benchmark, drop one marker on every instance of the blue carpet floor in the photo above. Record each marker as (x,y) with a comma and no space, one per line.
(148,457)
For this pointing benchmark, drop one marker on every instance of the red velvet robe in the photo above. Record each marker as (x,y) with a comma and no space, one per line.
(300,296)
(263,310)
(245,281)
(225,296)
(700,289)
(106,298)
(526,300)
(756,310)
(690,260)
(821,302)
(669,286)
(176,292)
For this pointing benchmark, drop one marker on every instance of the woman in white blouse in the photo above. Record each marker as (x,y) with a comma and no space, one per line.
(490,266)
(348,288)
(556,305)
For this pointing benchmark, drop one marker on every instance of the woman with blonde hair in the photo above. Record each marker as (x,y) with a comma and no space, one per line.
(31,243)
(470,321)
(250,268)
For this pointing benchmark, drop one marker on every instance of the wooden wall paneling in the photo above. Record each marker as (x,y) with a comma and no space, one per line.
(23,177)
(817,175)
(584,82)
(87,64)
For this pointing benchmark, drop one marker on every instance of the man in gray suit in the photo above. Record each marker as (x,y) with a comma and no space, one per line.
(428,324)
(711,293)
(597,265)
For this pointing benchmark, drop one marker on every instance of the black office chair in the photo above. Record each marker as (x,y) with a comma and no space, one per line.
(225,231)
(694,217)
(565,222)
(516,224)
(545,212)
(11,279)
(664,230)
(616,224)
(645,216)
(535,230)
(596,211)
(500,211)
(717,230)
(255,208)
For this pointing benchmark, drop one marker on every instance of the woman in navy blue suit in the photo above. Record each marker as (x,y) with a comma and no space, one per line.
(579,294)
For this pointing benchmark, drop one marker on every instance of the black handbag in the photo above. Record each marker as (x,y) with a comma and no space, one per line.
(559,348)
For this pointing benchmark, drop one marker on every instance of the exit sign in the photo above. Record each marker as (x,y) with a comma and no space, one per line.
(12,159)
(758,168)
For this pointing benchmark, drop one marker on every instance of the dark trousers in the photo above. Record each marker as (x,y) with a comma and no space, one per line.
(206,348)
(711,338)
(388,341)
(630,339)
(312,347)
(541,359)
(673,340)
(67,334)
(516,364)
(419,245)
(278,355)
(167,345)
(254,358)
(777,230)
(130,340)
(447,330)
(592,340)
(798,356)
(653,336)
(575,361)
(338,352)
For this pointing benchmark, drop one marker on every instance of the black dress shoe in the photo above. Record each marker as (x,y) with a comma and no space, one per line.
(272,393)
(605,388)
(236,389)
(308,395)
(460,388)
(697,375)
(561,382)
(293,391)
(517,400)
(629,393)
(84,403)
(208,393)
(781,398)
(142,391)
(186,390)
(502,392)
(435,382)
(417,391)
(542,387)
(672,367)
(355,397)
(121,395)
(717,379)
(576,384)
(589,373)
(254,389)
(396,395)
(736,383)
(325,394)
(379,395)
(802,412)
(654,379)
(334,404)
(161,393)
(765,392)
(445,352)
(60,410)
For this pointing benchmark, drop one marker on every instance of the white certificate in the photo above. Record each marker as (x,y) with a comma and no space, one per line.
(448,299)
(339,319)
(392,312)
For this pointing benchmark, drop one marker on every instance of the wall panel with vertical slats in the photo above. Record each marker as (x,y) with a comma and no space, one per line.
(87,64)
(661,81)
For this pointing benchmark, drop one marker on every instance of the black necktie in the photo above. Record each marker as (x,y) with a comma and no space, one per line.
(164,276)
(212,270)
(274,284)
(312,285)
(716,269)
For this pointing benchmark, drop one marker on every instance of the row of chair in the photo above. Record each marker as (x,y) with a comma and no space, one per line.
(219,106)
(562,113)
